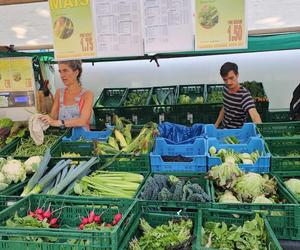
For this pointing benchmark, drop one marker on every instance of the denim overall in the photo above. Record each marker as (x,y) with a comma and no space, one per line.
(70,111)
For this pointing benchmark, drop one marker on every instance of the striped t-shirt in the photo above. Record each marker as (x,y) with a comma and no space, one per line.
(236,106)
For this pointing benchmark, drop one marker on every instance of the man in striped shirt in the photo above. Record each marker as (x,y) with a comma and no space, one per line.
(237,101)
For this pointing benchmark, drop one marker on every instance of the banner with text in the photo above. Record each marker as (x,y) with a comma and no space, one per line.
(220,24)
(73,33)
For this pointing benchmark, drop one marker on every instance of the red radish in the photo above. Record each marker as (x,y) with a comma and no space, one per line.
(118,217)
(92,214)
(53,221)
(81,226)
(32,214)
(90,220)
(85,221)
(97,218)
(108,225)
(47,214)
(54,226)
(40,217)
(114,222)
(39,211)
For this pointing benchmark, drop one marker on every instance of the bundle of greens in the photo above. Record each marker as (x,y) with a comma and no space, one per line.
(173,235)
(250,235)
(171,188)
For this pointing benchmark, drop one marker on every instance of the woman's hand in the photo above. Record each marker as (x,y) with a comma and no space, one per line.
(49,121)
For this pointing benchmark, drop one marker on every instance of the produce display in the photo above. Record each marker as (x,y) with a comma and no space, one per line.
(185,99)
(122,141)
(250,235)
(109,184)
(173,235)
(171,188)
(137,98)
(215,96)
(14,171)
(256,90)
(10,130)
(293,185)
(229,156)
(164,96)
(234,186)
(27,147)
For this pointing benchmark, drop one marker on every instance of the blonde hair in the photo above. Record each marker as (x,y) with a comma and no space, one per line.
(74,65)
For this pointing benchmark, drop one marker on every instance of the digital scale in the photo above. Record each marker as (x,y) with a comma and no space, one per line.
(18,105)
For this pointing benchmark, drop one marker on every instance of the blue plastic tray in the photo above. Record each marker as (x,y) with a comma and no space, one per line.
(196,151)
(242,134)
(84,134)
(262,165)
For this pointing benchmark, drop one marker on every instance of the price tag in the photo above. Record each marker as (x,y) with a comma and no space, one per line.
(134,119)
(190,117)
(235,30)
(86,42)
(161,117)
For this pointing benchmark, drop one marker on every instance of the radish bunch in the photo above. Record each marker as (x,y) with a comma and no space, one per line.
(45,215)
(94,221)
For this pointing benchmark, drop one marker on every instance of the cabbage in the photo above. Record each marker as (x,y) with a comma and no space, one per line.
(252,185)
(199,100)
(228,197)
(14,171)
(294,186)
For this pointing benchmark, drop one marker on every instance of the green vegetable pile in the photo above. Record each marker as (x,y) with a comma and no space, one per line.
(256,90)
(173,235)
(215,96)
(109,184)
(28,148)
(137,98)
(242,187)
(293,185)
(250,235)
(229,156)
(171,188)
(185,99)
(9,130)
(164,96)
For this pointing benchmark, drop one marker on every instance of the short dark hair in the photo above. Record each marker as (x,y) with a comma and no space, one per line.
(227,67)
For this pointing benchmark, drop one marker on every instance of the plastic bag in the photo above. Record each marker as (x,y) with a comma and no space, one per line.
(179,134)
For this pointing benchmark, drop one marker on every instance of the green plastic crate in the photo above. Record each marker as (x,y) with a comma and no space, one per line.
(11,148)
(190,113)
(15,188)
(155,217)
(8,200)
(284,218)
(280,148)
(279,129)
(278,116)
(199,179)
(237,217)
(107,105)
(284,176)
(70,217)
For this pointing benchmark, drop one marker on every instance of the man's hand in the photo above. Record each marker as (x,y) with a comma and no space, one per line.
(254,115)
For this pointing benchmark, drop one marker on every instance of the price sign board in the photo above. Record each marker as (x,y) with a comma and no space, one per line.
(220,24)
(72,25)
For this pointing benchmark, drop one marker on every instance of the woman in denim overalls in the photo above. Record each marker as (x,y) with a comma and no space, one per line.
(72,106)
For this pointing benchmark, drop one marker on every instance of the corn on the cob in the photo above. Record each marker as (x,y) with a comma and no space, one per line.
(127,133)
(112,141)
(120,138)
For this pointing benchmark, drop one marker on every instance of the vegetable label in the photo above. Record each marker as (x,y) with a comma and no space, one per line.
(220,24)
(72,25)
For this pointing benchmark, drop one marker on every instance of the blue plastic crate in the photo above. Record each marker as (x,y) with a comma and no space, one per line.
(196,151)
(262,165)
(243,134)
(84,134)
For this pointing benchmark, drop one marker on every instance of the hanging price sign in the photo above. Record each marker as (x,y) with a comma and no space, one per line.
(220,24)
(72,25)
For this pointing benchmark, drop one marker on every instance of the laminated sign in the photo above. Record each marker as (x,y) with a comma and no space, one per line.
(72,25)
(220,24)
